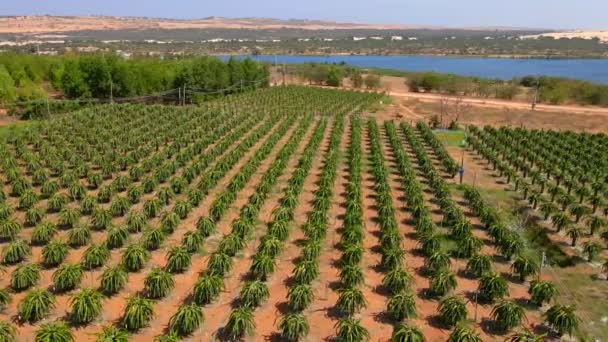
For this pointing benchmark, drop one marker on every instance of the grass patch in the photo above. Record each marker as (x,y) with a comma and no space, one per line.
(379,105)
(590,295)
(14,128)
(518,217)
(450,138)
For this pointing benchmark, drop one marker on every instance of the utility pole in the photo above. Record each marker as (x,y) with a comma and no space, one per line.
(179,94)
(535,99)
(284,72)
(475,317)
(461,171)
(543,261)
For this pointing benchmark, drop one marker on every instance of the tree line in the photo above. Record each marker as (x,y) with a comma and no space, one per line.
(26,77)
(551,90)
(335,75)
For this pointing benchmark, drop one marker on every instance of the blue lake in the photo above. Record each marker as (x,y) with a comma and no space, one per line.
(595,70)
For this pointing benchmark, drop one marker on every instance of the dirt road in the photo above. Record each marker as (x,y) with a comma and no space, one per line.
(494,103)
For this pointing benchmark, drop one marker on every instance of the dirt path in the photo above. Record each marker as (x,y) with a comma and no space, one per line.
(395,87)
(5,119)
(166,307)
(267,316)
(413,259)
(412,106)
(320,314)
(217,313)
(495,103)
(429,308)
(376,296)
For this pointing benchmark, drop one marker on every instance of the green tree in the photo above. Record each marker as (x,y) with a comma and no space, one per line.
(492,286)
(563,319)
(7,332)
(187,319)
(25,276)
(356,79)
(407,333)
(158,283)
(86,305)
(240,322)
(54,332)
(372,81)
(452,310)
(592,249)
(7,86)
(138,312)
(508,315)
(349,329)
(334,77)
(294,326)
(463,333)
(112,334)
(36,305)
(525,266)
(73,82)
(113,279)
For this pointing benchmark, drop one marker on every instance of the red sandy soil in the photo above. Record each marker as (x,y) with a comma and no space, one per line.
(414,261)
(379,328)
(319,313)
(267,316)
(51,24)
(216,314)
(184,282)
(6,119)
(114,304)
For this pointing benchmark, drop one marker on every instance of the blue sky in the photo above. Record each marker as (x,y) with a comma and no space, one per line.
(517,13)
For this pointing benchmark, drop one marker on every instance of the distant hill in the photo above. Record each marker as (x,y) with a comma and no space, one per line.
(58,24)
(602,35)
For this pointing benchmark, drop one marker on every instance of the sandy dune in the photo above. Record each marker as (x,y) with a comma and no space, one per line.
(47,24)
(44,24)
(602,35)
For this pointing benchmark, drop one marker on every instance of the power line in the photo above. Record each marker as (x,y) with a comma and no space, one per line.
(181,92)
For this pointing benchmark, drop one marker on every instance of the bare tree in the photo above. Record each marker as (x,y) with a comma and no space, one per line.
(444,104)
(451,110)
(460,107)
